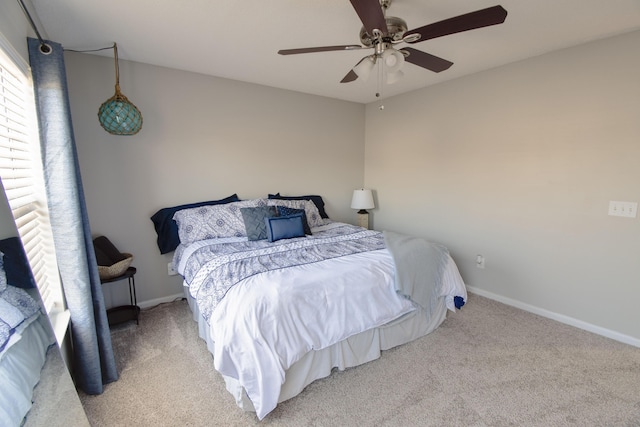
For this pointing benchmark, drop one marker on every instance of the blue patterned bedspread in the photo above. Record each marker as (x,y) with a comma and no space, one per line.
(16,307)
(211,270)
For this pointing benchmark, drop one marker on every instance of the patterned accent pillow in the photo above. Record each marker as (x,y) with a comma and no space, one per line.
(167,229)
(16,307)
(285,211)
(214,221)
(254,221)
(311,211)
(317,200)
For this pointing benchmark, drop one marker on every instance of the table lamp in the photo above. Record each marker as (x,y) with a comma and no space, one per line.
(362,200)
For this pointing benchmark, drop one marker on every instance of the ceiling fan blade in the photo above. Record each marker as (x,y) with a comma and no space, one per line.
(351,76)
(426,60)
(370,13)
(470,21)
(319,49)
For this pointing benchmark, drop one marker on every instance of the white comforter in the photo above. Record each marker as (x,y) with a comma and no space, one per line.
(268,321)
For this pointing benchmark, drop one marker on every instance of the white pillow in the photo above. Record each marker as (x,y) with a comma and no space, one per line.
(213,221)
(310,209)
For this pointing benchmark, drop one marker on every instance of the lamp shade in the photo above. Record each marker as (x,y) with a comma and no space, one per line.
(364,67)
(118,115)
(394,77)
(362,199)
(393,59)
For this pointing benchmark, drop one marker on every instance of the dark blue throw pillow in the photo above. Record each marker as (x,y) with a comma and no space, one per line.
(166,227)
(16,266)
(285,211)
(317,200)
(284,227)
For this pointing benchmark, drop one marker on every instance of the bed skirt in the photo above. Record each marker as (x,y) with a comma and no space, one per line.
(353,351)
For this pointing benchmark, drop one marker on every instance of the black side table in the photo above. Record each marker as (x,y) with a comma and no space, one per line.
(124,313)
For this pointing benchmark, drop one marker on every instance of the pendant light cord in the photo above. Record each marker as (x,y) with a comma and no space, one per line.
(46,49)
(115,54)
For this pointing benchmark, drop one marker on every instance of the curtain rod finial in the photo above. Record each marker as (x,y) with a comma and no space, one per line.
(45,49)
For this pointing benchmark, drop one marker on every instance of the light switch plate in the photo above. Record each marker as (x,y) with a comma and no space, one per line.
(624,209)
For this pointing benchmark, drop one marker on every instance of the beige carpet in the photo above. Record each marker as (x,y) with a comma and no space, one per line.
(487,365)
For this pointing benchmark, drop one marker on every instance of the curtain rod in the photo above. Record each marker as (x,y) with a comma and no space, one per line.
(44,47)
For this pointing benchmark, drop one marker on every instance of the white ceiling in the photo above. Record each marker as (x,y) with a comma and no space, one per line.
(239,39)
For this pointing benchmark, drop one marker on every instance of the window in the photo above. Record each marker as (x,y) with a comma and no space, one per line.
(22,177)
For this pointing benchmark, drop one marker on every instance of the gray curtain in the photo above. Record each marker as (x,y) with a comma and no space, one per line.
(93,360)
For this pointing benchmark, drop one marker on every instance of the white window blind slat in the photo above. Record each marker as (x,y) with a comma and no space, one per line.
(12,139)
(19,183)
(22,206)
(14,158)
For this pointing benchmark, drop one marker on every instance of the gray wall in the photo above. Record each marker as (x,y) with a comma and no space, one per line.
(203,138)
(14,26)
(519,164)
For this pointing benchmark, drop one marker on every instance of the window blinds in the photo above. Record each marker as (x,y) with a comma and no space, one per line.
(21,173)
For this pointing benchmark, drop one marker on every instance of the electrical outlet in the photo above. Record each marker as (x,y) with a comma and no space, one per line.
(479,261)
(624,209)
(170,269)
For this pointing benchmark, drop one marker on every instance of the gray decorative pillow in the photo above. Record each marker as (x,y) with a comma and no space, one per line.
(254,221)
(311,210)
(213,221)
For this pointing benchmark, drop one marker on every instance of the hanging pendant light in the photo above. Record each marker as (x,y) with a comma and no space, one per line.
(117,114)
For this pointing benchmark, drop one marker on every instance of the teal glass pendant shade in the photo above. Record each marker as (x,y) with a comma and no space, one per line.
(118,115)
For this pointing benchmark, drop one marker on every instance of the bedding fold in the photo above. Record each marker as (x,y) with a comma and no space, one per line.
(419,265)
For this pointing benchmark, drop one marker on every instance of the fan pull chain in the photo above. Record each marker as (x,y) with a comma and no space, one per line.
(379,94)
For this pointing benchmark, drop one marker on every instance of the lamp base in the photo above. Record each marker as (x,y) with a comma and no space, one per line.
(363,218)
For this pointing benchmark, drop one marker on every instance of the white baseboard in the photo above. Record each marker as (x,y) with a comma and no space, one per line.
(156,301)
(558,317)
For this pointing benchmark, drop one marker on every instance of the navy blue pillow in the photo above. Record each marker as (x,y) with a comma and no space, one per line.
(166,227)
(285,211)
(16,266)
(284,227)
(317,200)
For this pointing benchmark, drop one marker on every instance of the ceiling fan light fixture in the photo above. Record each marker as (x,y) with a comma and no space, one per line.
(394,77)
(363,68)
(393,60)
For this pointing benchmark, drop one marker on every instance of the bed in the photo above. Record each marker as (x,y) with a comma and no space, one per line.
(25,337)
(282,295)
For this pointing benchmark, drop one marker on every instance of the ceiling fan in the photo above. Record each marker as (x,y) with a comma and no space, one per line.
(382,33)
